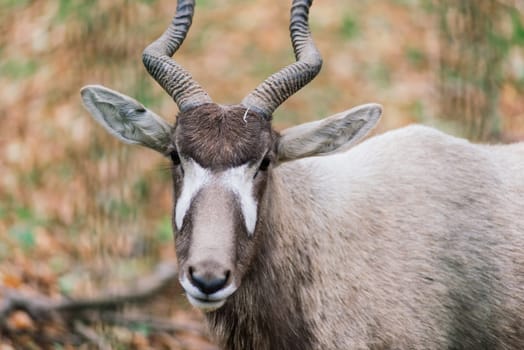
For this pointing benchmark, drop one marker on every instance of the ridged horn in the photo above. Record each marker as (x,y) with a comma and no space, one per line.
(175,80)
(281,85)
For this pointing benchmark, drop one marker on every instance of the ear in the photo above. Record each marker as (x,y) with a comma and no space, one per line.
(333,134)
(126,118)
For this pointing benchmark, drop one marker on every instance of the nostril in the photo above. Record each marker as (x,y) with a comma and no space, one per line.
(208,284)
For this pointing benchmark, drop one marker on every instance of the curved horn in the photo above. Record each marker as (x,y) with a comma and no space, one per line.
(175,80)
(281,85)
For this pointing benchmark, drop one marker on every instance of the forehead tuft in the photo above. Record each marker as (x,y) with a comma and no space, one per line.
(220,137)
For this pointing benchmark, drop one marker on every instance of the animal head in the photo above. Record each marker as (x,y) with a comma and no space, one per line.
(223,156)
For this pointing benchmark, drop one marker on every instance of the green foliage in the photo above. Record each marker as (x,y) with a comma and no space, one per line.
(417,110)
(24,235)
(204,3)
(518,28)
(24,214)
(430,6)
(18,68)
(141,328)
(80,9)
(68,282)
(33,177)
(416,57)
(10,4)
(22,231)
(350,28)
(143,92)
(141,190)
(119,207)
(164,231)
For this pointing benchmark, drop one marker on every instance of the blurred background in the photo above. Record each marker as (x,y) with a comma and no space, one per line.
(82,214)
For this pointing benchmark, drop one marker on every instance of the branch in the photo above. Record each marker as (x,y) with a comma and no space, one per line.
(43,307)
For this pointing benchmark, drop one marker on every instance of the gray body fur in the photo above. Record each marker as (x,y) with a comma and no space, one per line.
(410,240)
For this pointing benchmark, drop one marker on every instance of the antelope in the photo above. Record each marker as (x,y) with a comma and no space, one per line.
(304,239)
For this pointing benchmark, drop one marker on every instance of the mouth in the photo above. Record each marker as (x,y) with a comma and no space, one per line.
(206,302)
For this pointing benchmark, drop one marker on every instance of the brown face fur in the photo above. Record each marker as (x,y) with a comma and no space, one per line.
(219,138)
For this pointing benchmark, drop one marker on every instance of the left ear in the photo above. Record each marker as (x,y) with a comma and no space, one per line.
(126,118)
(333,134)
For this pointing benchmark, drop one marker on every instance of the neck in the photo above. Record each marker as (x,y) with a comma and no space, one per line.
(268,311)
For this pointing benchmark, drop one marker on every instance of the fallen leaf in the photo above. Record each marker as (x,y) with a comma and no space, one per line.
(20,321)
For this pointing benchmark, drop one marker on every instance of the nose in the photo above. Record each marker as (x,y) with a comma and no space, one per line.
(208,282)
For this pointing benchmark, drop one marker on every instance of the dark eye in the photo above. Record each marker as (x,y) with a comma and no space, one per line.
(175,158)
(264,164)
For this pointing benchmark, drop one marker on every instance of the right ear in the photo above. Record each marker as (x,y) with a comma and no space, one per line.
(329,135)
(126,118)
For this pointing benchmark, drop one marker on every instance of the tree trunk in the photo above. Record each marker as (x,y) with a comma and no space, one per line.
(472,48)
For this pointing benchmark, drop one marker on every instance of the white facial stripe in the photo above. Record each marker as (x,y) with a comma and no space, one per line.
(240,181)
(195,178)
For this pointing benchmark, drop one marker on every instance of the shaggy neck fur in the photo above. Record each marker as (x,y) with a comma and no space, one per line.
(278,278)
